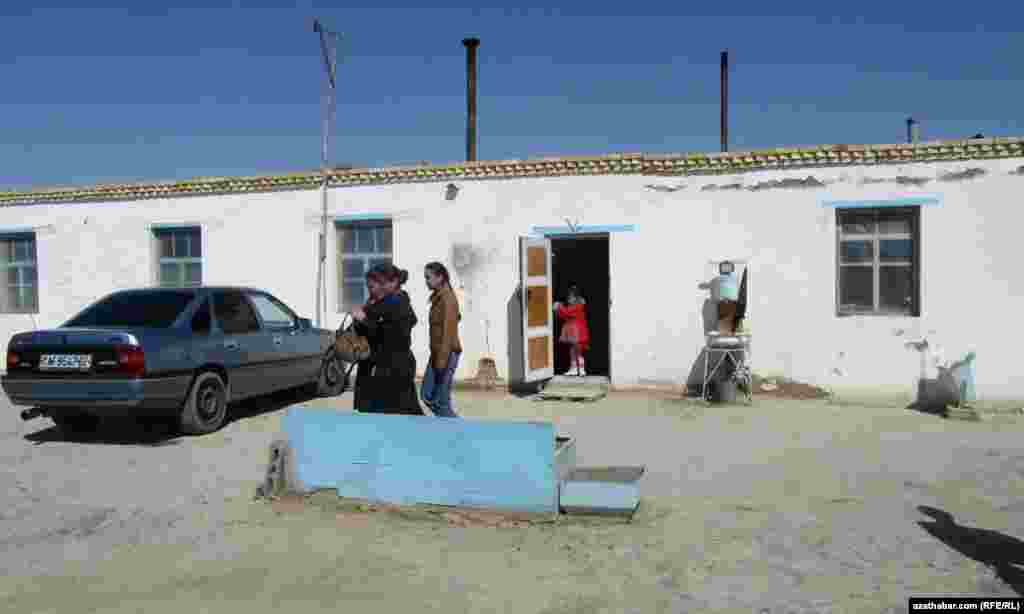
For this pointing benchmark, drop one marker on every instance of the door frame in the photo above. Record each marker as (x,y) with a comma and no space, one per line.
(591,235)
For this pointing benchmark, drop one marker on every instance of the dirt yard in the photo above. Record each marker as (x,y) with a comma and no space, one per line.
(786,506)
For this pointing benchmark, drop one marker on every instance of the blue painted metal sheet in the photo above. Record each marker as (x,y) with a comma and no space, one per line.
(583,229)
(407,460)
(172,227)
(362,217)
(909,201)
(17,233)
(601,490)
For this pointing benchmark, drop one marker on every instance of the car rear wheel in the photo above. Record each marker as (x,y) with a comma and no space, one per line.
(206,407)
(333,379)
(73,423)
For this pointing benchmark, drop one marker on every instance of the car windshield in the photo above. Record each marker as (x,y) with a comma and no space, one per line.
(151,309)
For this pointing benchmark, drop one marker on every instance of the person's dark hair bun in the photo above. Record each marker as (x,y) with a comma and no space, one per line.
(403,276)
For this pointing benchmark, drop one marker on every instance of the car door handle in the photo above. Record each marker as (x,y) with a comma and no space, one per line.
(231,345)
(277,340)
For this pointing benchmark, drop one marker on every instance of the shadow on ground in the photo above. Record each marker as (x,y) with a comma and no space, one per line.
(999,551)
(156,432)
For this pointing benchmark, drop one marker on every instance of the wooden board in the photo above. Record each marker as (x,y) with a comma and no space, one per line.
(536,262)
(538,306)
(537,348)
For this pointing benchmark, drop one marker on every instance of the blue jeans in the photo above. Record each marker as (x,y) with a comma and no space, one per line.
(437,388)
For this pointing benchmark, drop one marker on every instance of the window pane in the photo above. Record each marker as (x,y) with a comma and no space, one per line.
(234,313)
(22,251)
(353,293)
(150,308)
(894,225)
(856,287)
(896,287)
(364,239)
(181,245)
(195,241)
(6,251)
(23,300)
(166,246)
(856,251)
(13,276)
(348,240)
(353,268)
(895,250)
(194,273)
(858,224)
(384,239)
(30,276)
(271,313)
(170,274)
(201,321)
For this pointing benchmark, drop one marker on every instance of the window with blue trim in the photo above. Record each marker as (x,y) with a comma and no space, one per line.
(20,290)
(362,245)
(180,257)
(878,268)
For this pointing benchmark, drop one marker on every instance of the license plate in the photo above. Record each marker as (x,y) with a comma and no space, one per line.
(65,362)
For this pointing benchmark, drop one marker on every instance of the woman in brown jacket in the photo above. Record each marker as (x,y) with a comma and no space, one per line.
(445,348)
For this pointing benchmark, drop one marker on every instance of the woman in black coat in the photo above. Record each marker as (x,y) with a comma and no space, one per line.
(385,383)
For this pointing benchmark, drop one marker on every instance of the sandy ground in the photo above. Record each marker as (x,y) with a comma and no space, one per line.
(786,506)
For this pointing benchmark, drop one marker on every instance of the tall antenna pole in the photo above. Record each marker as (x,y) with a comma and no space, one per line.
(328,49)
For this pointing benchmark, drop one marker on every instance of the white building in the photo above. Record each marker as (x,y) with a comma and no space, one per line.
(941,261)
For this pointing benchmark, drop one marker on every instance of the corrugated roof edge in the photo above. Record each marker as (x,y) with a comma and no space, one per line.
(607,164)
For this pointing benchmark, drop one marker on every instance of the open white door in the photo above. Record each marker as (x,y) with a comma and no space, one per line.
(538,325)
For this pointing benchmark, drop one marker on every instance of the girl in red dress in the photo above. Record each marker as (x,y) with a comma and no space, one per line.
(575,332)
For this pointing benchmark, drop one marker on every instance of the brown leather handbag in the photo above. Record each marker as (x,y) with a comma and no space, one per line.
(349,345)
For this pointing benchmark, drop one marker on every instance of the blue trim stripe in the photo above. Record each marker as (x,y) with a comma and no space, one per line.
(362,217)
(173,227)
(583,229)
(891,202)
(17,233)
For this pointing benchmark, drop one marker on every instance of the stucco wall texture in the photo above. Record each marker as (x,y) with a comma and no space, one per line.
(971,282)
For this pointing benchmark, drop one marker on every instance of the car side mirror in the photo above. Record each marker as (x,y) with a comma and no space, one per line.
(304,323)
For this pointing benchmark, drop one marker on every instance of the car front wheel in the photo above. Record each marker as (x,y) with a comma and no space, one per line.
(206,407)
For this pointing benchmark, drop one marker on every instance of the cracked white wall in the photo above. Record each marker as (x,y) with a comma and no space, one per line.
(971,283)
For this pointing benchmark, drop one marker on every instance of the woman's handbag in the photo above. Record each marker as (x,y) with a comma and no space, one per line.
(349,345)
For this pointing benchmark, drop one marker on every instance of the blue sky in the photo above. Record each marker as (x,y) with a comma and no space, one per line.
(128,91)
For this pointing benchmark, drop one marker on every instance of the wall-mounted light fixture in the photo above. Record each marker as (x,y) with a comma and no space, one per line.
(451,191)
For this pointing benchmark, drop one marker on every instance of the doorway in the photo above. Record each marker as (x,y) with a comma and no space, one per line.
(584,259)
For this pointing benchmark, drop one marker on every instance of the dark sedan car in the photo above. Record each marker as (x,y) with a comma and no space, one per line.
(185,352)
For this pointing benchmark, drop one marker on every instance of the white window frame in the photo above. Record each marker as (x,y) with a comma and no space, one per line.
(22,267)
(911,214)
(341,228)
(181,261)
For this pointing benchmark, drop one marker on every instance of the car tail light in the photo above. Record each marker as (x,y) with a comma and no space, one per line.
(12,359)
(131,360)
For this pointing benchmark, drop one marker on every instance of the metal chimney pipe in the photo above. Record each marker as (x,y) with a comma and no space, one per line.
(725,101)
(471,45)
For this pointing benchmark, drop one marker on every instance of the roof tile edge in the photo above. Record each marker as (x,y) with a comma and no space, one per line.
(607,164)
